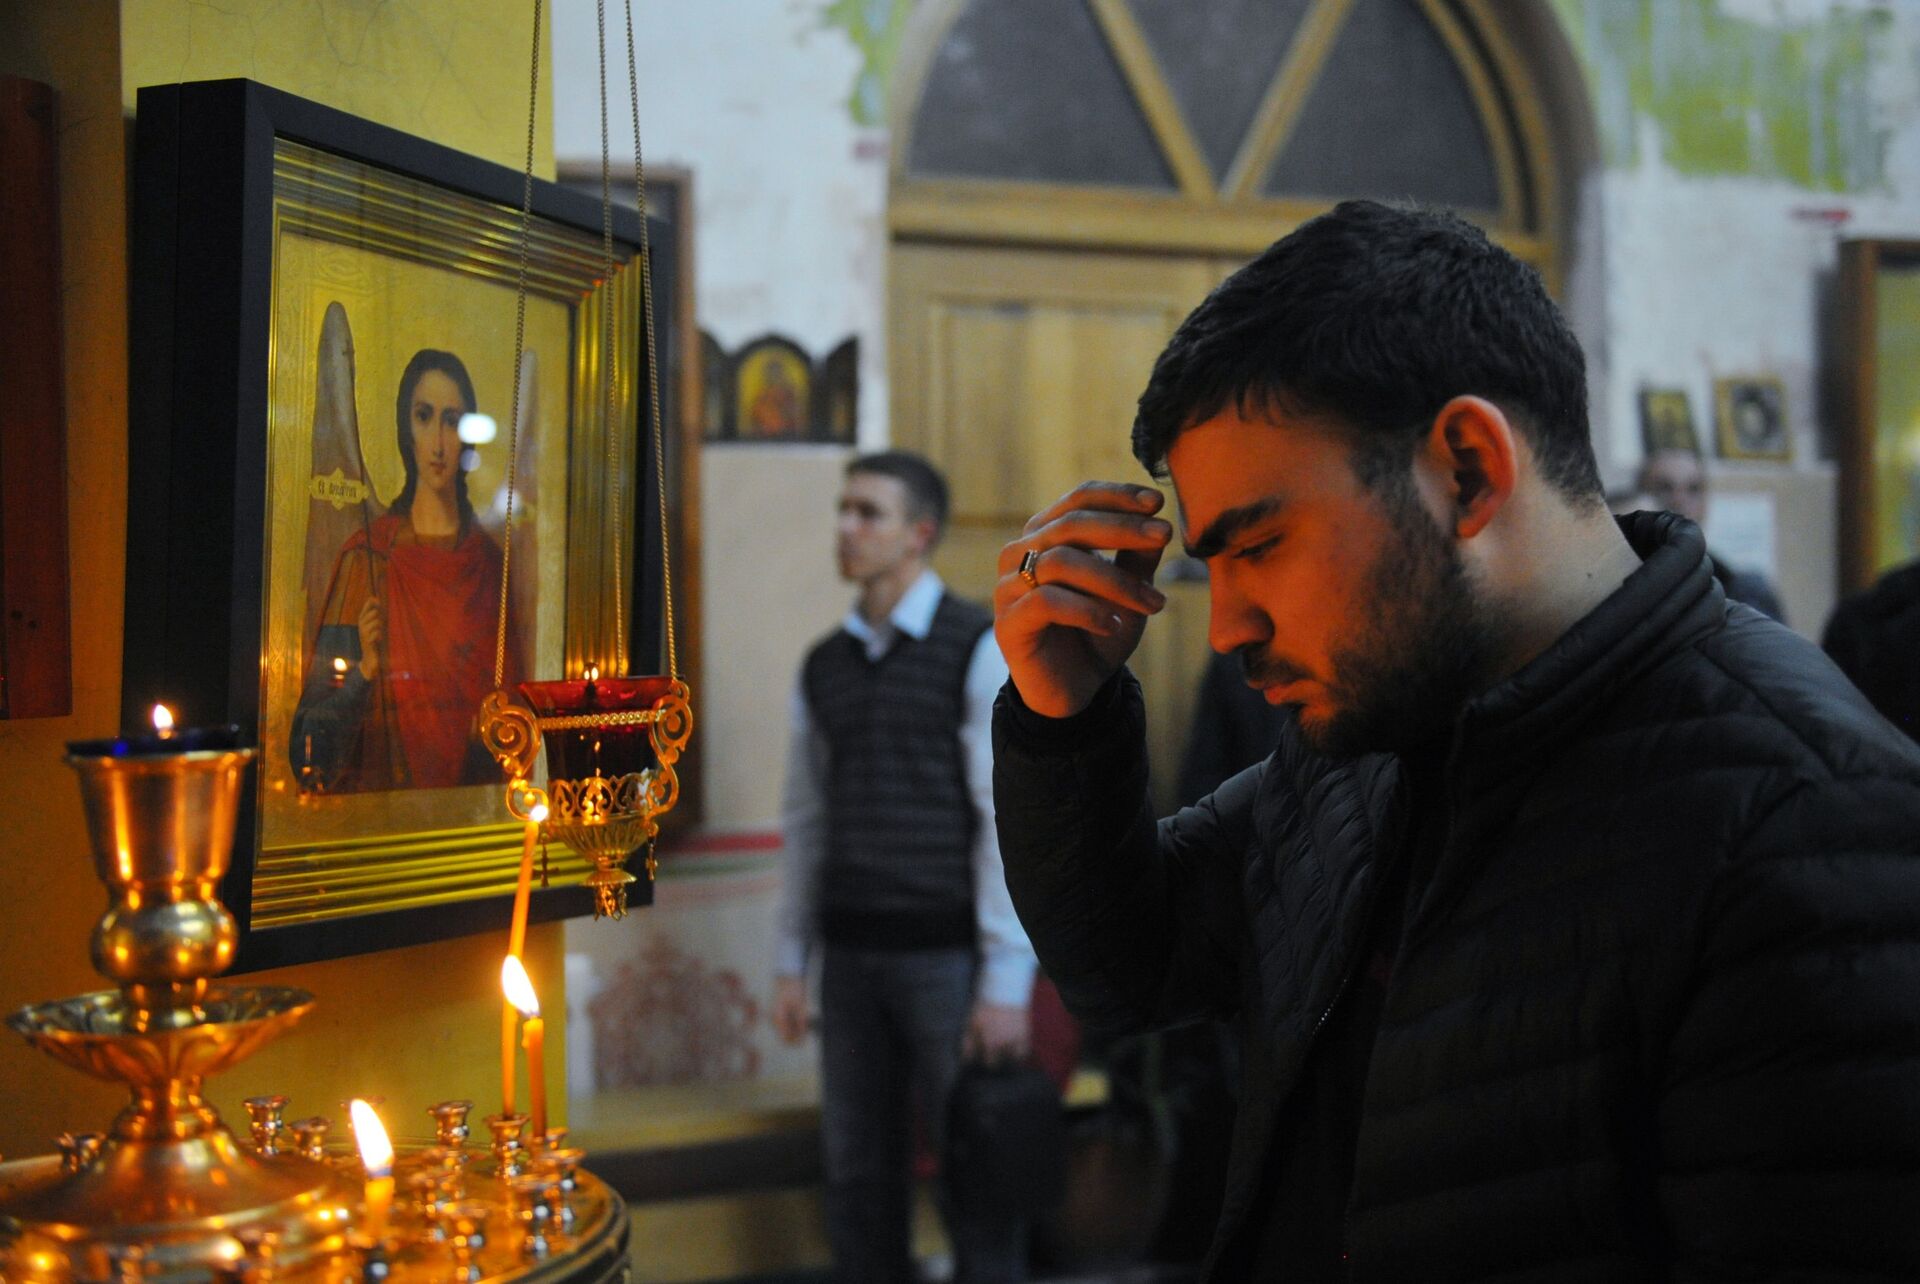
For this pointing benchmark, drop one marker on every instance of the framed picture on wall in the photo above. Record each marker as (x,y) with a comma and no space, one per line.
(323,428)
(772,391)
(1666,421)
(1750,418)
(1879,421)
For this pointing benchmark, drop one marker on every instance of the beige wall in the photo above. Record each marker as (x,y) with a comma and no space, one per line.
(771,589)
(415,1025)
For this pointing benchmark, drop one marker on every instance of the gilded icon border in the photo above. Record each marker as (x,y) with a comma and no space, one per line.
(229,174)
(1877,408)
(1750,418)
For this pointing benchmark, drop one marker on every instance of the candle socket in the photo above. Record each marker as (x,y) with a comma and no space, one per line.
(531,1197)
(310,1137)
(259,1246)
(79,1149)
(463,1223)
(265,1122)
(564,1163)
(509,1153)
(450,1123)
(420,1194)
(375,1267)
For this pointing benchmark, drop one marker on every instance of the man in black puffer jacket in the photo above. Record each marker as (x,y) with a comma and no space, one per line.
(1573,930)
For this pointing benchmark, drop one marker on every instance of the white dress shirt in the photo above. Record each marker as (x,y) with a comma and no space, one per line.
(1007,962)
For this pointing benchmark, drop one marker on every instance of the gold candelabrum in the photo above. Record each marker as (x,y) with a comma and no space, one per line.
(168,1192)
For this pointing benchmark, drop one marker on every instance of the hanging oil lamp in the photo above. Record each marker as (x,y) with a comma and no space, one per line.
(611,741)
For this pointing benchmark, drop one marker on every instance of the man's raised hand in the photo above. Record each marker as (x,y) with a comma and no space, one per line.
(1067,618)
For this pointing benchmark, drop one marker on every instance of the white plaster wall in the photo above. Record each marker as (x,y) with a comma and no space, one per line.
(789,194)
(1709,277)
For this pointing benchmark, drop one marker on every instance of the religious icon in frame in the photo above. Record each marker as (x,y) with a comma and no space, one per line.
(837,415)
(352,294)
(772,391)
(1750,418)
(1666,421)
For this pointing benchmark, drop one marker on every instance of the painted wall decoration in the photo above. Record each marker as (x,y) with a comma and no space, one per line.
(873,27)
(770,390)
(1750,419)
(1764,91)
(668,1017)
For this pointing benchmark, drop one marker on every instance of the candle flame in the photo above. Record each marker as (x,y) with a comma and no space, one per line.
(376,1152)
(519,990)
(538,813)
(593,673)
(162,718)
(339,664)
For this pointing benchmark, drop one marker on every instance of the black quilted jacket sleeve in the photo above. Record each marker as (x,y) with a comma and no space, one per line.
(1136,937)
(1789,1123)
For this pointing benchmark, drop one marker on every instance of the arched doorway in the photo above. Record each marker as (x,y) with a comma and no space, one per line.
(1069,177)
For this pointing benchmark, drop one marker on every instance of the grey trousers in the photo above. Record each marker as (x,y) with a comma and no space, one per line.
(891,1027)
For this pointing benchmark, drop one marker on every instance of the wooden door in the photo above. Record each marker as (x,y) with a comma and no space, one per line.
(1017,370)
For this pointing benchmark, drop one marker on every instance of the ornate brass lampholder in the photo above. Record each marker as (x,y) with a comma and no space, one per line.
(611,742)
(168,1192)
(611,748)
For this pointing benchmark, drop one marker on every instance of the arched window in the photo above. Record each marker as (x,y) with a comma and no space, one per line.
(1211,125)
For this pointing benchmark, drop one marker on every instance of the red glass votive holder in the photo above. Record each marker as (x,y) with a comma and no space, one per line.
(612,747)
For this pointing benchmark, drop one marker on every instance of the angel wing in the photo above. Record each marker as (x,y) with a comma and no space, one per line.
(523,573)
(340,501)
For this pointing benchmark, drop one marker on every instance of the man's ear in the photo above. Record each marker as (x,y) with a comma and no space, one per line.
(1474,452)
(928,532)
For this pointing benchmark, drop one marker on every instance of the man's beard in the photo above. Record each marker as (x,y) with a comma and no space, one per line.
(1399,682)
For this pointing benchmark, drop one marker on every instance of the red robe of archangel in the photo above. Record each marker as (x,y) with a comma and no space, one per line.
(441,604)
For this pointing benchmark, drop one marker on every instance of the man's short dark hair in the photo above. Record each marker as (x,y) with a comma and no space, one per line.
(926,488)
(1373,317)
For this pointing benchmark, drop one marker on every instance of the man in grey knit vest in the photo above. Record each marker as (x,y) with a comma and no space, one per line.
(894,884)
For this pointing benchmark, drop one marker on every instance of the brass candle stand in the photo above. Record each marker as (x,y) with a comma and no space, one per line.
(168,1188)
(168,1192)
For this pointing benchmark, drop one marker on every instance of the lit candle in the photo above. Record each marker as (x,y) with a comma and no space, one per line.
(509,1019)
(516,943)
(165,738)
(339,670)
(513,978)
(523,890)
(376,1156)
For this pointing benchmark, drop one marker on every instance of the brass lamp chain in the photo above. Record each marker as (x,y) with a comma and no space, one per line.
(653,359)
(606,328)
(606,356)
(519,352)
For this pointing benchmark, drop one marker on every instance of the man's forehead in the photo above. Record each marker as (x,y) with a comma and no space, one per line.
(878,489)
(1228,463)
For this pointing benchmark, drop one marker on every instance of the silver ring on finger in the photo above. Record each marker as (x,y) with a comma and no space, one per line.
(1028,562)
